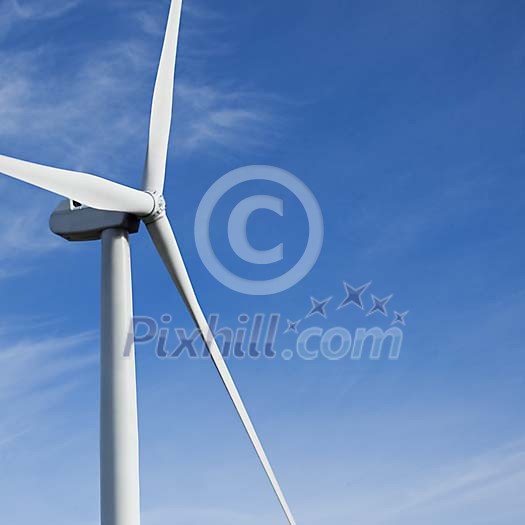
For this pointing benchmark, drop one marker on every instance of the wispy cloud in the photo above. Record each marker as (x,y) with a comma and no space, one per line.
(218,516)
(7,439)
(407,494)
(13,12)
(398,226)
(212,113)
(93,111)
(465,480)
(227,117)
(24,229)
(43,9)
(151,18)
(37,374)
(25,234)
(80,114)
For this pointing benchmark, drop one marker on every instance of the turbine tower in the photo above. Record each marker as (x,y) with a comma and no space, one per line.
(99,209)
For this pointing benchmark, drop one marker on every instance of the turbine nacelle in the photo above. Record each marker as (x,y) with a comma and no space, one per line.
(76,222)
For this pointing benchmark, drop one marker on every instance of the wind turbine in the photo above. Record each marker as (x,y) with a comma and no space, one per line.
(99,209)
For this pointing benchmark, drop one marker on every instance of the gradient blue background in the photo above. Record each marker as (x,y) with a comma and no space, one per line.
(406,120)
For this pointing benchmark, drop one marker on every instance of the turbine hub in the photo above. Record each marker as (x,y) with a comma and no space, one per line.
(159,209)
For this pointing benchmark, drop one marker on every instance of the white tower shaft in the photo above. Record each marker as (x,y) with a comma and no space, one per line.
(119,447)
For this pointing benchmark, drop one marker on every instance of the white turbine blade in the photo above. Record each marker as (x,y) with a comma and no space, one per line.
(87,189)
(162,106)
(166,244)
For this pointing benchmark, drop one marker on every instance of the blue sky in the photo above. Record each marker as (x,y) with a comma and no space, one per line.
(406,121)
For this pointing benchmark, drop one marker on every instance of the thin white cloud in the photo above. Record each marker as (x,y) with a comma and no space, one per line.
(396,232)
(25,234)
(36,375)
(210,113)
(13,12)
(411,493)
(24,228)
(92,111)
(43,9)
(82,119)
(7,439)
(464,480)
(29,364)
(216,515)
(215,115)
(151,18)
